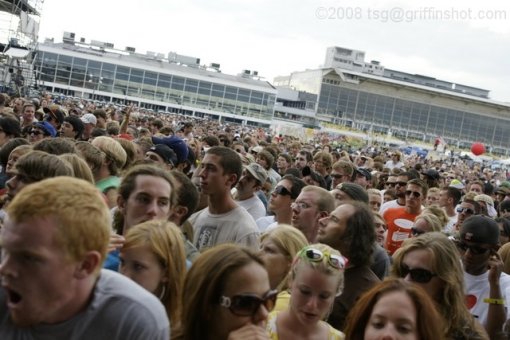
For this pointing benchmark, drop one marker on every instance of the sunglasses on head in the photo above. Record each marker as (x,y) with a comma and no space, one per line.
(473,249)
(415,194)
(281,190)
(315,255)
(249,304)
(419,275)
(417,232)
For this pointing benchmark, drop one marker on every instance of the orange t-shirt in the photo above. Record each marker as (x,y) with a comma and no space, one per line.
(399,223)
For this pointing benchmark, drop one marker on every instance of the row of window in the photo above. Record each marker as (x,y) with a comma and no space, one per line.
(412,116)
(100,76)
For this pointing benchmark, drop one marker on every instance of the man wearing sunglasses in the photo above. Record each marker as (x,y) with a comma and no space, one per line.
(280,203)
(400,189)
(467,208)
(400,220)
(487,288)
(341,173)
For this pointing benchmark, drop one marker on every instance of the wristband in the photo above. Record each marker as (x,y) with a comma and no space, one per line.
(494,301)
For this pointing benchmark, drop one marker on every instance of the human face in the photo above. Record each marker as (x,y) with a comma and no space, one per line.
(250,279)
(312,294)
(424,259)
(141,265)
(39,280)
(319,166)
(213,180)
(280,202)
(475,262)
(413,203)
(421,227)
(361,180)
(339,176)
(67,130)
(150,200)
(393,317)
(300,161)
(380,229)
(3,137)
(432,198)
(476,188)
(276,262)
(443,198)
(340,197)
(503,237)
(28,114)
(374,201)
(305,214)
(465,206)
(400,187)
(281,163)
(15,184)
(35,135)
(391,182)
(333,227)
(11,162)
(246,185)
(262,162)
(154,157)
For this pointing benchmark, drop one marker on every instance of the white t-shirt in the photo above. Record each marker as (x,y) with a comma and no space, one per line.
(254,206)
(236,226)
(477,289)
(390,204)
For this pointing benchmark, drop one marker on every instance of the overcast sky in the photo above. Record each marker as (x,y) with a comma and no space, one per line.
(447,39)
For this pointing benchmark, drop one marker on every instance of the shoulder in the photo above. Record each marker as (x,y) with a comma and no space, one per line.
(334,334)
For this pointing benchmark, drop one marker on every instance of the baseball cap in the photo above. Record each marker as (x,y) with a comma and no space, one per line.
(432,173)
(455,183)
(55,113)
(257,171)
(354,191)
(176,144)
(480,229)
(47,128)
(307,171)
(89,118)
(365,173)
(164,152)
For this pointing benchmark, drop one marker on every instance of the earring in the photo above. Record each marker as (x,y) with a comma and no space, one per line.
(162,294)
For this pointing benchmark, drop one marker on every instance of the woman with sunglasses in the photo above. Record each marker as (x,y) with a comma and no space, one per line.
(316,278)
(432,262)
(394,309)
(277,249)
(425,223)
(226,295)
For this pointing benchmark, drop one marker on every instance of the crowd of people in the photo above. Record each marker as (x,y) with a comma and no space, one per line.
(122,223)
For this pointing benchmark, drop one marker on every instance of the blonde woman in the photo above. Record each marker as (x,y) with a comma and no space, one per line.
(278,247)
(153,256)
(316,278)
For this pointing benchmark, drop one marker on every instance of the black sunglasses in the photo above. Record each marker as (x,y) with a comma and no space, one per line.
(391,184)
(417,232)
(249,304)
(281,190)
(36,132)
(401,183)
(419,275)
(473,249)
(467,211)
(415,194)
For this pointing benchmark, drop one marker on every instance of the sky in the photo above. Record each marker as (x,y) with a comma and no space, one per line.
(464,42)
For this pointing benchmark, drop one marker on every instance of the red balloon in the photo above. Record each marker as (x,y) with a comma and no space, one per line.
(477,148)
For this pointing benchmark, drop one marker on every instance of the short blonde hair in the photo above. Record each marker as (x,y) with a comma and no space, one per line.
(114,152)
(80,167)
(81,215)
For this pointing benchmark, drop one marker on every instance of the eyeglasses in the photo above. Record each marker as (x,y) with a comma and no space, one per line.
(419,275)
(281,190)
(300,205)
(401,183)
(36,132)
(315,255)
(249,304)
(337,176)
(473,249)
(467,211)
(391,185)
(415,194)
(417,232)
